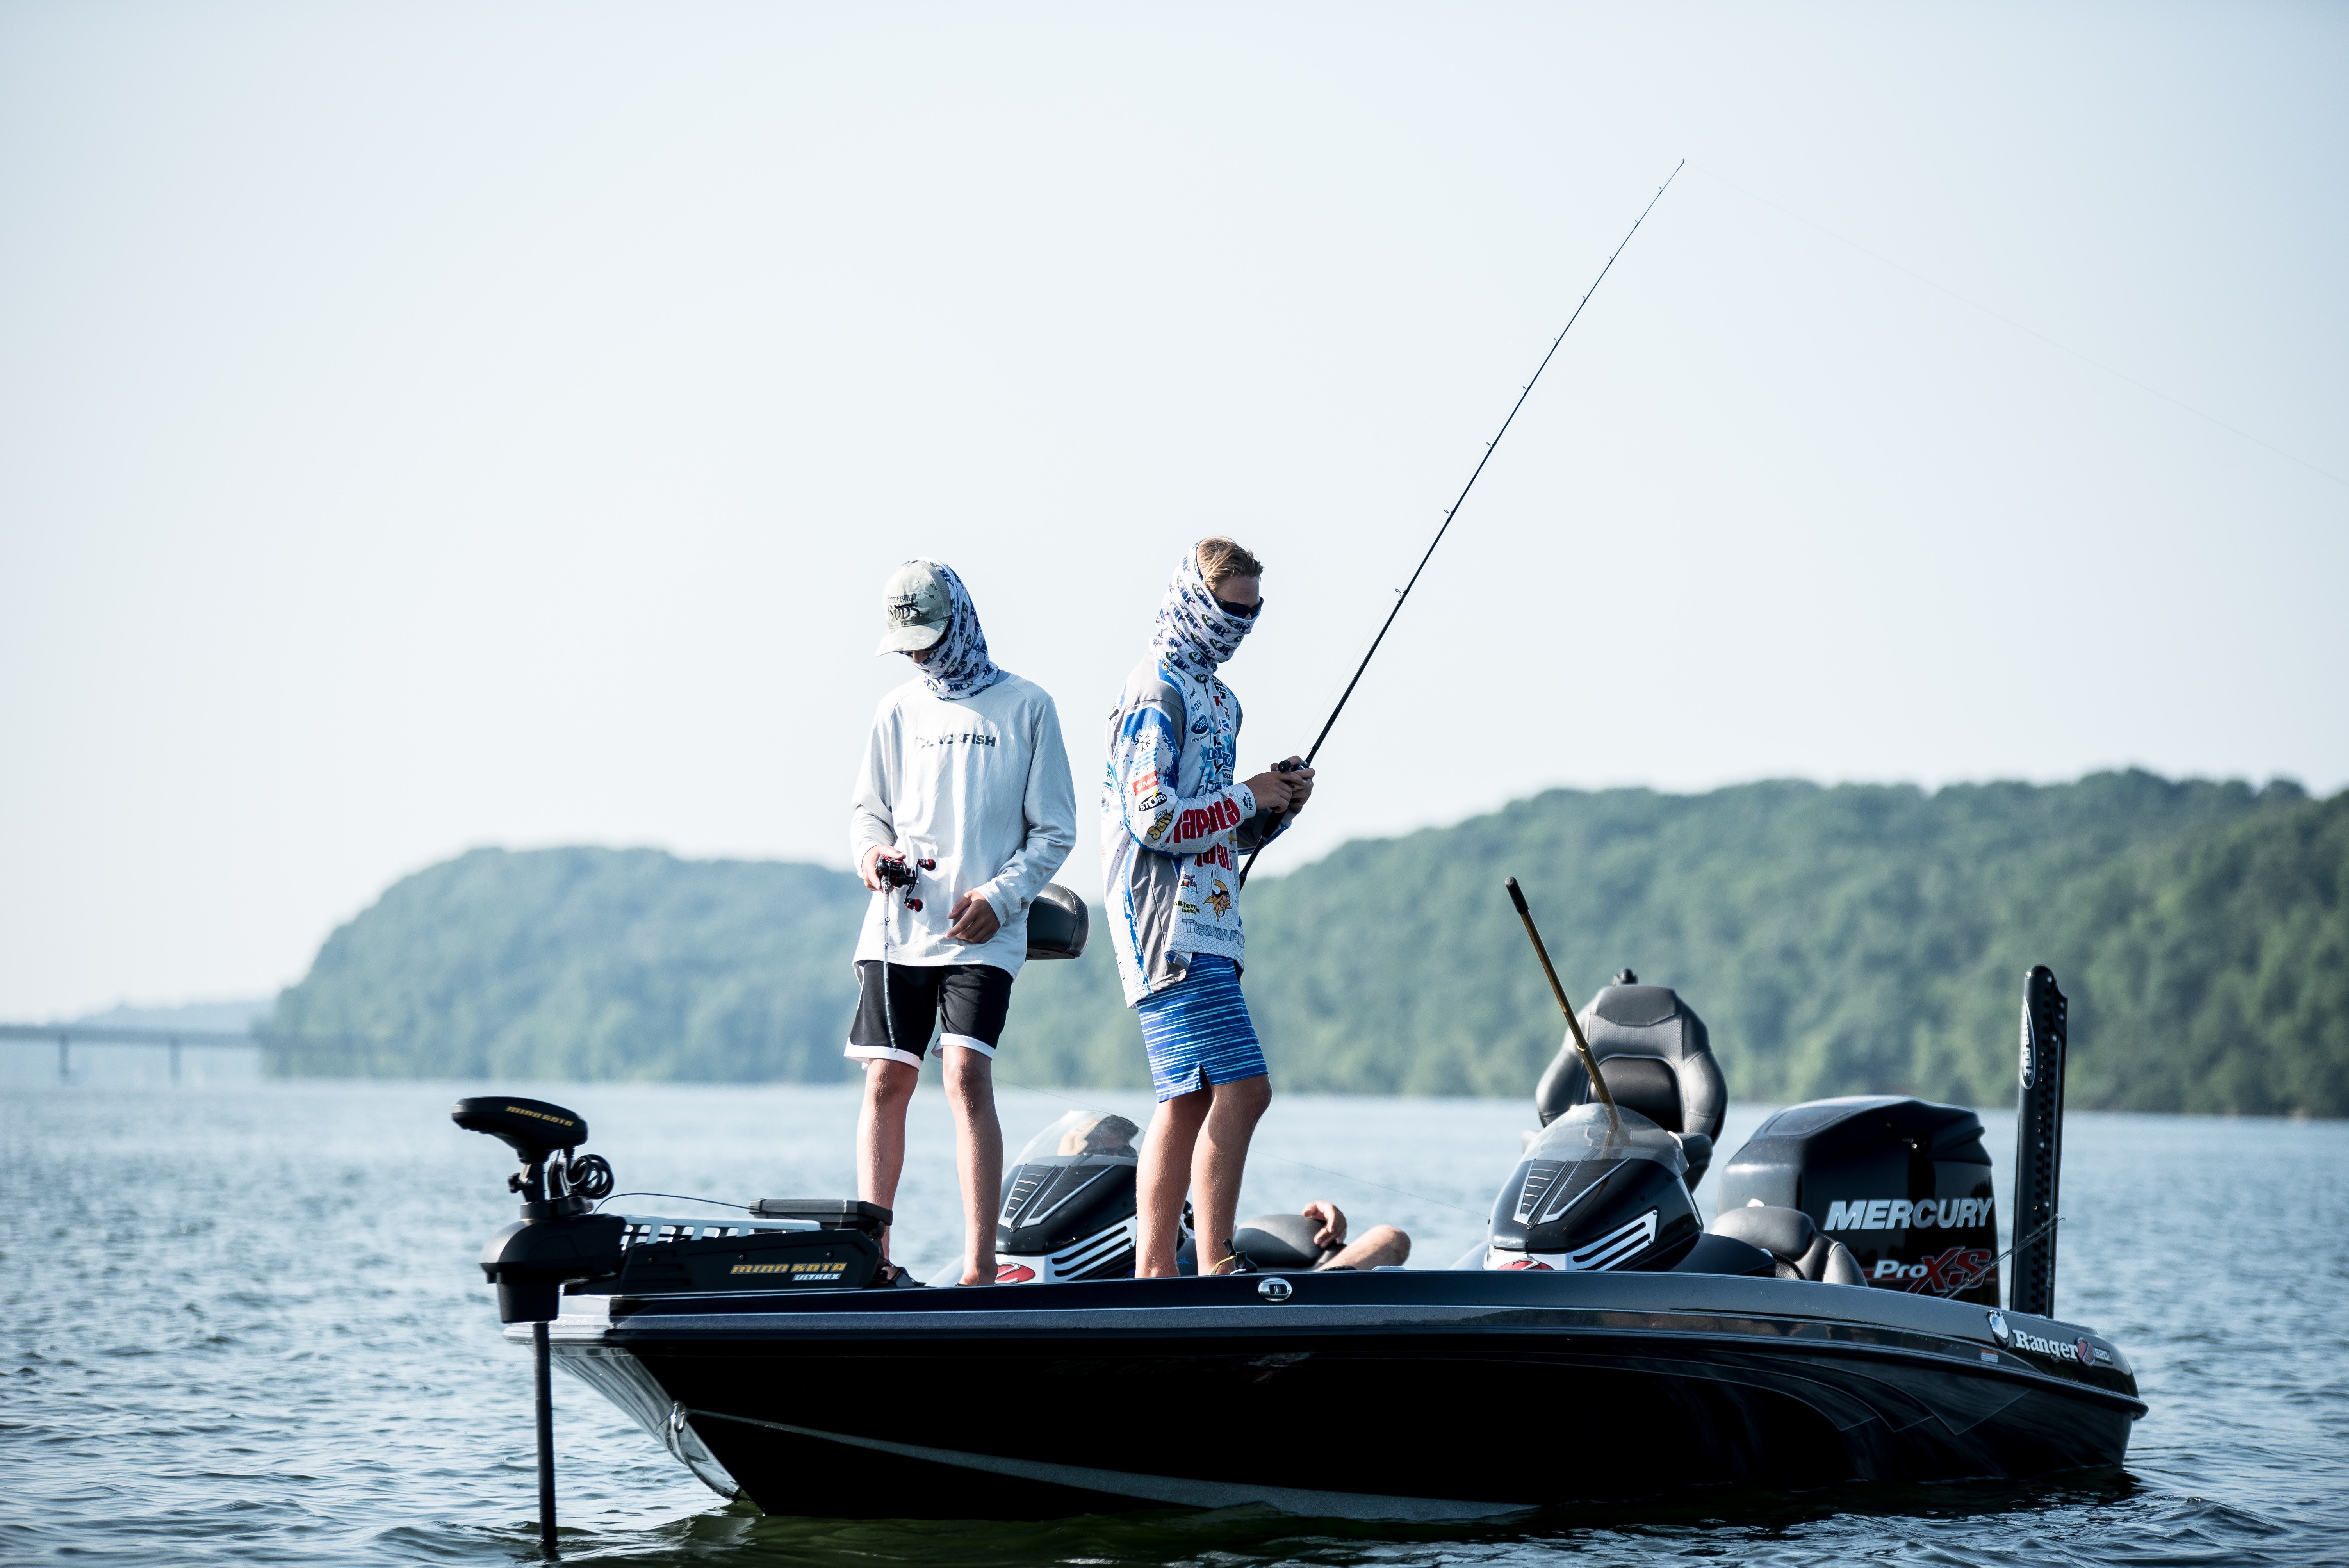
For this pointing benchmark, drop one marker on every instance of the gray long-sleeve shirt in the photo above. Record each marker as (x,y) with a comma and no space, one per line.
(980,784)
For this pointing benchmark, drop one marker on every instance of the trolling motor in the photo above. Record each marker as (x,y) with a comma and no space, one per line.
(557,1241)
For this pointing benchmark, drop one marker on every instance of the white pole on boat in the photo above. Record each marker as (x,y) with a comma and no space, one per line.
(1573,1024)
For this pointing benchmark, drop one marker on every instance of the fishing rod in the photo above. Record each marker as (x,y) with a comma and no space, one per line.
(1453,511)
(1573,1024)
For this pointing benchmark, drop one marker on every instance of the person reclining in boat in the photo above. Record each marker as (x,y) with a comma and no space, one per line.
(1316,1239)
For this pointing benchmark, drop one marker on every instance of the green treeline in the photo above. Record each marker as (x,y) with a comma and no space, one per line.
(1843,940)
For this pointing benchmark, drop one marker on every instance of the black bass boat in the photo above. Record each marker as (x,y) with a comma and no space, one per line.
(1838,1321)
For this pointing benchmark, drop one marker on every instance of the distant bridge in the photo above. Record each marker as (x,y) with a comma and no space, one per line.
(279,1051)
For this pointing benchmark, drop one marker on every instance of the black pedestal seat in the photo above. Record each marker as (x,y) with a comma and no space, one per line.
(1657,1058)
(1800,1248)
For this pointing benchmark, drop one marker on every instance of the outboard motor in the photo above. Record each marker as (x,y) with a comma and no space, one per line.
(1902,1184)
(1588,1198)
(1068,1204)
(1657,1059)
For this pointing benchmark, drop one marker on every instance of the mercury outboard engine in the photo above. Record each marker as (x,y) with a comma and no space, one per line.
(1588,1197)
(1903,1183)
(1068,1204)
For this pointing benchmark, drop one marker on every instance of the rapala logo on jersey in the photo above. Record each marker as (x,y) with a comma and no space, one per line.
(1900,1214)
(1960,1268)
(1217,855)
(1205,820)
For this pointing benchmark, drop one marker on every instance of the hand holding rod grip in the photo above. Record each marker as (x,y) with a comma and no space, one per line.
(1573,1024)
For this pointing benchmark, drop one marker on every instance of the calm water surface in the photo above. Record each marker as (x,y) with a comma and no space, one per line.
(244,1325)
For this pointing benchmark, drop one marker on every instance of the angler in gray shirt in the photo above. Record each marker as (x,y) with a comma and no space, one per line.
(964,784)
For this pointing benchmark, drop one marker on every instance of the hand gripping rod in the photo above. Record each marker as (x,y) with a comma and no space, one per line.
(1453,511)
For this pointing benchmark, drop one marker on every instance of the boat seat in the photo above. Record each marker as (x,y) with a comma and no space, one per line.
(1802,1249)
(1279,1242)
(1657,1059)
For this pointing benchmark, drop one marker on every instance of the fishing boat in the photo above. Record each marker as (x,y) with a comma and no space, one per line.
(1839,1320)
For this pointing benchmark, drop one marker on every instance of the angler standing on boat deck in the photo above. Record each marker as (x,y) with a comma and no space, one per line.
(1170,819)
(965,768)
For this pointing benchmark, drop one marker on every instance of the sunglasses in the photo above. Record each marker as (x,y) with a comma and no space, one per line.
(1242,612)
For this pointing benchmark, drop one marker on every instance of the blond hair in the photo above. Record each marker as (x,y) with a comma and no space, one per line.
(1221,558)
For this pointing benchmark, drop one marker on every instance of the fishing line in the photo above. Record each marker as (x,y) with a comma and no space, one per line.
(680,1197)
(2030,1241)
(1453,511)
(2010,320)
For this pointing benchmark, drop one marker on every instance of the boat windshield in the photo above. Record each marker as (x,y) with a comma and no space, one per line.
(1100,1134)
(1583,1133)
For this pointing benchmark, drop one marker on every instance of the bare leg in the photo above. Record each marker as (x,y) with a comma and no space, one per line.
(1218,1162)
(1380,1246)
(881,1134)
(979,1156)
(1163,1177)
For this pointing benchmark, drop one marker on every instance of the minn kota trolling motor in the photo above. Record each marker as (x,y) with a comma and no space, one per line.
(557,1241)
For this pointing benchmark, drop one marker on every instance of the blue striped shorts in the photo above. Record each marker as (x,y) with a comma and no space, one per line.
(1197,1031)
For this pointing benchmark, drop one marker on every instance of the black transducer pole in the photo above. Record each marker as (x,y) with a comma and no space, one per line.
(2038,1144)
(541,1380)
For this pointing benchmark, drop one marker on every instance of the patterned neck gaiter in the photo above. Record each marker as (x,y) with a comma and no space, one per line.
(1194,634)
(958,665)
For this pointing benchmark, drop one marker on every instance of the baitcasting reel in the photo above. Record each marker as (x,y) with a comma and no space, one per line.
(897,873)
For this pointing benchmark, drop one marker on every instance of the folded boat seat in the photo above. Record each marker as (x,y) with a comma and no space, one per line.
(1801,1249)
(1657,1059)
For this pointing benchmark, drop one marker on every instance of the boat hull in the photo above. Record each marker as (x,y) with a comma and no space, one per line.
(1397,1394)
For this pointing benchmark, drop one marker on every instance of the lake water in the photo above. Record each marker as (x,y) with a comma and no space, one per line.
(243,1323)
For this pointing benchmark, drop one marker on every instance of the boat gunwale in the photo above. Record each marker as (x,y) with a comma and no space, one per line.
(1746,1326)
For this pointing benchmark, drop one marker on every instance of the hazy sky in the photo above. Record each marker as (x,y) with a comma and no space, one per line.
(425,426)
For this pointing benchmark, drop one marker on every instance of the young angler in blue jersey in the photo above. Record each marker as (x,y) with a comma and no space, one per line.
(1174,823)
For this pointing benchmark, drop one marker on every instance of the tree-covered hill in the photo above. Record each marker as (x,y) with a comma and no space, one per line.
(1836,940)
(591,963)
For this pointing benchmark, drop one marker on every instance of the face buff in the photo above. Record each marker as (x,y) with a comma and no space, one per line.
(960,666)
(1194,634)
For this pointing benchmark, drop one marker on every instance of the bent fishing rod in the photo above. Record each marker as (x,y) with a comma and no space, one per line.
(1454,510)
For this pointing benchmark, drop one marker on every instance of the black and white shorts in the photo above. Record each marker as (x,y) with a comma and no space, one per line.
(974,998)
